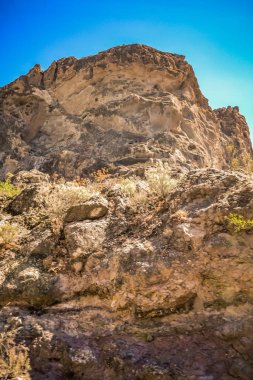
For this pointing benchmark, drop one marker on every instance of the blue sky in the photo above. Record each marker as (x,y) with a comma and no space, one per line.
(215,36)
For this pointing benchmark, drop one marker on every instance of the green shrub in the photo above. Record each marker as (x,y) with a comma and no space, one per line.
(239,222)
(8,189)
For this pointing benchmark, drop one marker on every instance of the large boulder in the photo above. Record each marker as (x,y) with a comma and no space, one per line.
(83,238)
(92,209)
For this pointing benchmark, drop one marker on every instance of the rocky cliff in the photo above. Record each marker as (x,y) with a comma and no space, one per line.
(121,107)
(117,286)
(143,271)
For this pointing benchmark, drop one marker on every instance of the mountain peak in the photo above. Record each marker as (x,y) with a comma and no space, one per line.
(122,106)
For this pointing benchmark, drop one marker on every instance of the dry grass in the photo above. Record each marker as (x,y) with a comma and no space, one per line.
(160,180)
(239,161)
(180,216)
(8,233)
(157,183)
(135,189)
(14,359)
(63,196)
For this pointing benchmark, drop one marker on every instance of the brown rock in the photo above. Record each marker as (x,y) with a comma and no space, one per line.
(29,177)
(83,238)
(92,209)
(77,266)
(148,288)
(124,106)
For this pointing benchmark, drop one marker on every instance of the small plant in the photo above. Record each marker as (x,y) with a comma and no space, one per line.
(180,215)
(230,148)
(239,161)
(96,182)
(14,359)
(7,188)
(235,164)
(159,180)
(135,190)
(129,186)
(8,233)
(248,163)
(64,196)
(239,222)
(100,175)
(81,181)
(233,157)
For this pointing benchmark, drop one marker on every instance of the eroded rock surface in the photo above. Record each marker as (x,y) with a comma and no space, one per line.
(158,291)
(108,279)
(121,107)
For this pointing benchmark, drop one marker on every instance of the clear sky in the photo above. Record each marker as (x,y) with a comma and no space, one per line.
(215,36)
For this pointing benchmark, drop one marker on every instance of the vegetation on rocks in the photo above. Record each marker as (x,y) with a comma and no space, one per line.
(14,359)
(115,273)
(8,233)
(157,182)
(138,268)
(239,222)
(160,180)
(63,196)
(8,189)
(239,161)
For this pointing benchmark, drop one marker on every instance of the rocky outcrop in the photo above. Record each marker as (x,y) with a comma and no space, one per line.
(234,125)
(161,290)
(142,271)
(119,108)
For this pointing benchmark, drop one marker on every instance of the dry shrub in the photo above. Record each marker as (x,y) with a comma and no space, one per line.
(129,186)
(160,180)
(96,182)
(14,360)
(81,181)
(158,183)
(8,233)
(61,197)
(239,161)
(180,216)
(135,189)
(100,175)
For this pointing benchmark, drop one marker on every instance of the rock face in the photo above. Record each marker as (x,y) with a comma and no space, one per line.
(158,291)
(120,107)
(138,273)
